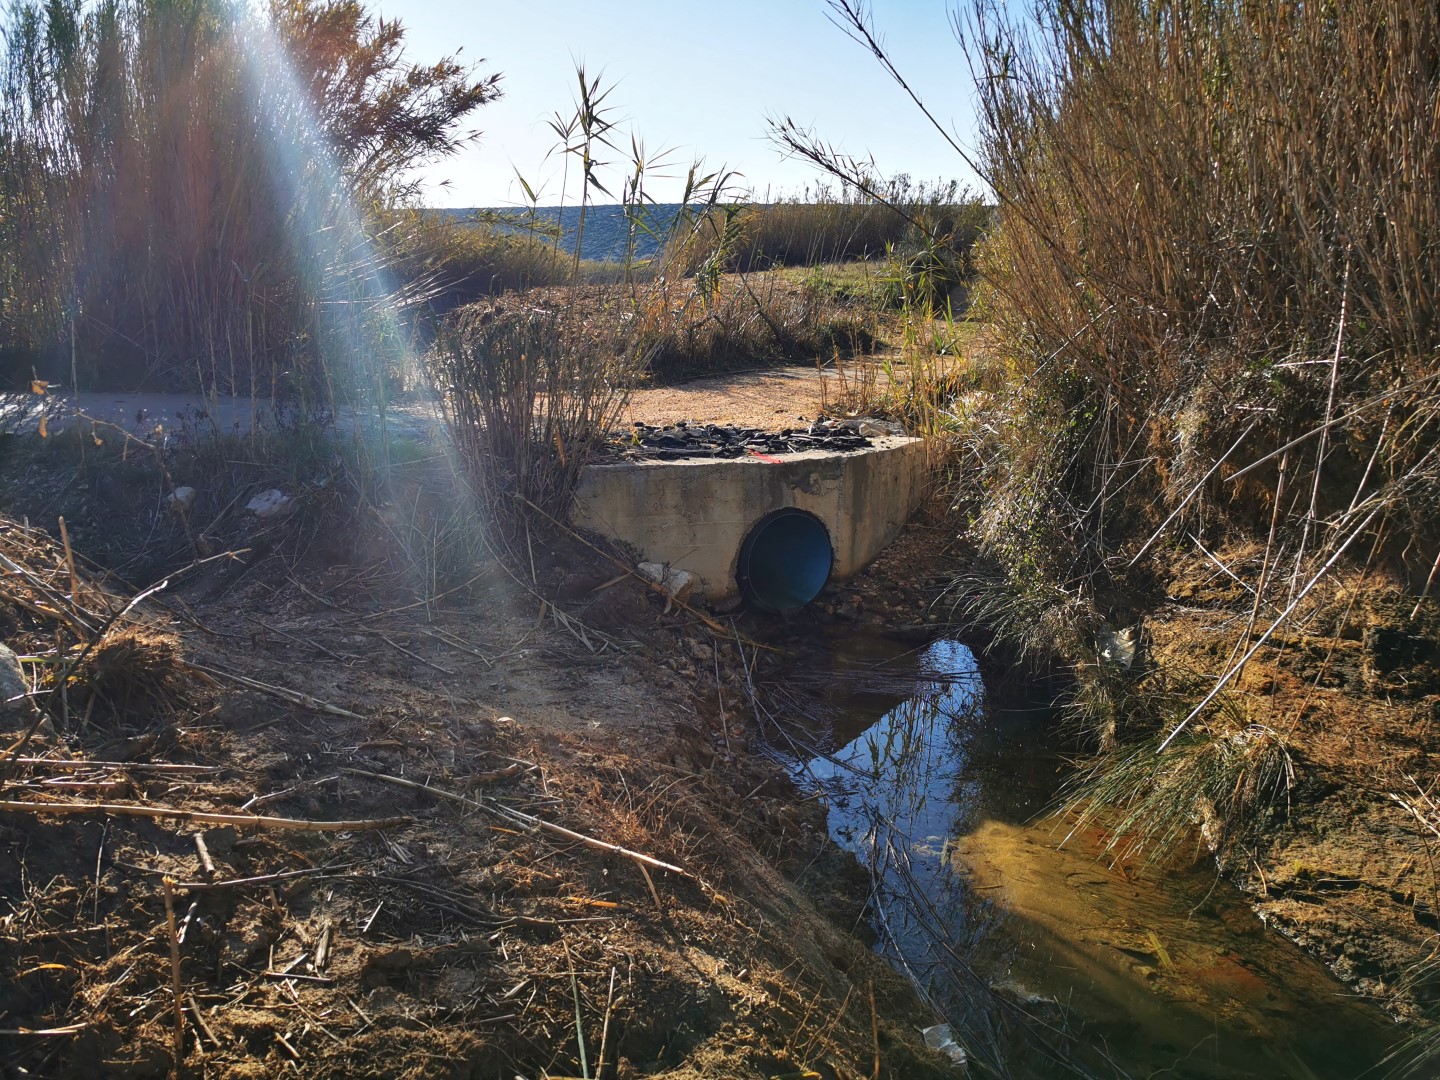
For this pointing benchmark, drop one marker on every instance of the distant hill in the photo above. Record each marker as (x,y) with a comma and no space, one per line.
(605,227)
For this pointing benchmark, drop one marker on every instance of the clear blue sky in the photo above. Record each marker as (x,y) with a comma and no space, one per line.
(698,77)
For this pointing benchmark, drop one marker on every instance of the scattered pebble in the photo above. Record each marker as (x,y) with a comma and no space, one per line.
(270,504)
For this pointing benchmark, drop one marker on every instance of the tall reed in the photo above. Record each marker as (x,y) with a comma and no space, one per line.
(186,188)
(1216,219)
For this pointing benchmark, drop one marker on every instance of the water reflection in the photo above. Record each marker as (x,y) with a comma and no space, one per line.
(1046,961)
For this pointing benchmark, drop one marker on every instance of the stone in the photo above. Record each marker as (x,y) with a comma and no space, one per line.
(678,584)
(874,429)
(270,504)
(13,690)
(17,712)
(182,499)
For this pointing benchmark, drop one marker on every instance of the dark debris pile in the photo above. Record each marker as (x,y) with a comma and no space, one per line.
(683,440)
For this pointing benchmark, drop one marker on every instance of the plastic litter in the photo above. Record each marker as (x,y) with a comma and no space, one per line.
(677,584)
(941,1038)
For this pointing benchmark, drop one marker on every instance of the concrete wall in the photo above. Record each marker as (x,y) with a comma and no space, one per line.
(695,514)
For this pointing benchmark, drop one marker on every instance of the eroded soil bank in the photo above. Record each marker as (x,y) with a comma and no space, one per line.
(1345,863)
(321,675)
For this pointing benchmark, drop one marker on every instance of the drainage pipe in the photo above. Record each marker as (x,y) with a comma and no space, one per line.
(785,560)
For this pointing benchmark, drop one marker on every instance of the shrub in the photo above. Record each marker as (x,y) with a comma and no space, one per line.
(529,396)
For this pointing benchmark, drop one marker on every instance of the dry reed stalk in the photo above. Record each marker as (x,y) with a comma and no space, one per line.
(178,1047)
(294,697)
(166,813)
(529,821)
(605,1027)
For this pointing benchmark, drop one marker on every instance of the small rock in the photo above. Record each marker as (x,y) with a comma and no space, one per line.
(13,691)
(700,651)
(678,584)
(182,499)
(270,504)
(17,712)
(941,1038)
(875,428)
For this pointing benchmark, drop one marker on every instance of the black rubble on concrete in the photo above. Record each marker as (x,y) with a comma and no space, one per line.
(682,440)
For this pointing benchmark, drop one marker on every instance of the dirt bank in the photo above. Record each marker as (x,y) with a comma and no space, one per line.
(499,929)
(1346,866)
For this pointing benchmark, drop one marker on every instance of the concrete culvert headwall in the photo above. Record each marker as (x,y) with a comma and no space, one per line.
(724,520)
(785,560)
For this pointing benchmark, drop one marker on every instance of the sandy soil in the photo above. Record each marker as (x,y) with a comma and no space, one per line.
(769,398)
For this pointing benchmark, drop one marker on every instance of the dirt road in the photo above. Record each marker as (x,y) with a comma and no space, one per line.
(770,398)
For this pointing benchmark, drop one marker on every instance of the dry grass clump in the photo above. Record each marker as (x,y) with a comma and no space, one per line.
(91,660)
(823,225)
(691,326)
(461,262)
(1223,779)
(134,673)
(529,395)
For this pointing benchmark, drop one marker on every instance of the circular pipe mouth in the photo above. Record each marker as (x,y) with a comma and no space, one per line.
(785,560)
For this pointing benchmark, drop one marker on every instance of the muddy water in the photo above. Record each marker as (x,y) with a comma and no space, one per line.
(1045,959)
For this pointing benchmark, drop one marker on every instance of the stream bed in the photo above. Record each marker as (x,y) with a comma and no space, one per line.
(1044,959)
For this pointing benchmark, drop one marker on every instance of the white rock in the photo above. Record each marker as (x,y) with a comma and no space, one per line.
(182,499)
(13,690)
(270,504)
(678,584)
(941,1038)
(17,712)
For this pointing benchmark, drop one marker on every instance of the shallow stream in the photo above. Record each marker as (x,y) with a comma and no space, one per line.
(1044,958)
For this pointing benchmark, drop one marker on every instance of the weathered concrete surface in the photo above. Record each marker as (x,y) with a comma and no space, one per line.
(694,515)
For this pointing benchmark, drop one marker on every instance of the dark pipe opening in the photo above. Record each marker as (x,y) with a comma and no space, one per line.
(785,561)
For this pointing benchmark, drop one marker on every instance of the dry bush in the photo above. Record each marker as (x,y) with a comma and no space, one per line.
(822,225)
(1218,225)
(97,661)
(529,395)
(460,262)
(694,326)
